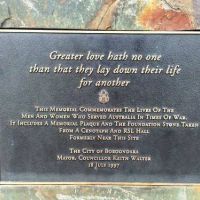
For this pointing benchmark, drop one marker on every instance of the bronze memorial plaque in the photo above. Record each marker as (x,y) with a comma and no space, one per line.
(103,107)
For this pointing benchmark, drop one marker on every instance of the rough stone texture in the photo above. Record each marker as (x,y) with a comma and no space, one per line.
(101,14)
(4,13)
(98,193)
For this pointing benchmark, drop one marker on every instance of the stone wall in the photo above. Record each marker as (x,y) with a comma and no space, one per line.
(101,14)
